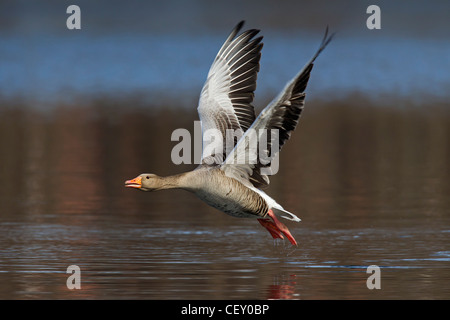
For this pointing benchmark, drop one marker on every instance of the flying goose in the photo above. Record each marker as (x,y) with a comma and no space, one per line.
(232,173)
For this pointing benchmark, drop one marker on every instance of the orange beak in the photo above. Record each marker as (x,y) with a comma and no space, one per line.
(134,183)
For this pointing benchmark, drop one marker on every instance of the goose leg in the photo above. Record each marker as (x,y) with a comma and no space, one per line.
(272,228)
(281,227)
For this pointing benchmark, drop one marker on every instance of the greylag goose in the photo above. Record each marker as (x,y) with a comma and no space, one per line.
(232,174)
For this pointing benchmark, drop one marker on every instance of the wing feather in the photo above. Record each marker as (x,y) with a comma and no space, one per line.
(280,116)
(227,95)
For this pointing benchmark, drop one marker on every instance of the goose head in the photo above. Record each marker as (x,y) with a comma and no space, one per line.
(145,182)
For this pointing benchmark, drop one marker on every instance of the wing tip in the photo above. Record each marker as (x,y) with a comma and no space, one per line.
(325,41)
(239,26)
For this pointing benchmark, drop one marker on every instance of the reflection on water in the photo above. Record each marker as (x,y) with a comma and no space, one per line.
(371,185)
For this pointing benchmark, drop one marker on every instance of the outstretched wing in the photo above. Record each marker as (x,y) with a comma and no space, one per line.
(226,97)
(276,122)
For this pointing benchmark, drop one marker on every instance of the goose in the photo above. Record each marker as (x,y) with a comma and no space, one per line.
(232,179)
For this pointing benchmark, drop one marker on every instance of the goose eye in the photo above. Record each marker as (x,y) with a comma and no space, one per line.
(147,177)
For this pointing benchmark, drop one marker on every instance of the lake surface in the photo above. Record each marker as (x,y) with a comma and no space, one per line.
(371,185)
(47,69)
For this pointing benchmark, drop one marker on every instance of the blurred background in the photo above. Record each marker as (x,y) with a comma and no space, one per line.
(163,50)
(367,170)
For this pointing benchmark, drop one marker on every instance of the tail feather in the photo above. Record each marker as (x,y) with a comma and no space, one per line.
(280,212)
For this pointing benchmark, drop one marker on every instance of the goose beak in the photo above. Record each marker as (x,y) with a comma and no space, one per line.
(134,183)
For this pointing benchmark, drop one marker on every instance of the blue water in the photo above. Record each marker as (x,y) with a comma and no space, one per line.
(61,67)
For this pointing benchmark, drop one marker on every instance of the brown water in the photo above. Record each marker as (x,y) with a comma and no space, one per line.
(371,185)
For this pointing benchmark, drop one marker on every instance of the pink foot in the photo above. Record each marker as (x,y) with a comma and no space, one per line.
(272,228)
(276,228)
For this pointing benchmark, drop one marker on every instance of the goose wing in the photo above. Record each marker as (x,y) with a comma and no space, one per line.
(226,97)
(250,160)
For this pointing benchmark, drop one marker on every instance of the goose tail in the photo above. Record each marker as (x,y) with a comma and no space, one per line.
(282,213)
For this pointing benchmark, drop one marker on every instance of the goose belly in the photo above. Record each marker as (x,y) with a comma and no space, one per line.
(236,203)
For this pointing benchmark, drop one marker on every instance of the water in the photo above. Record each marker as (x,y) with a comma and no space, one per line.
(51,69)
(148,261)
(371,186)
